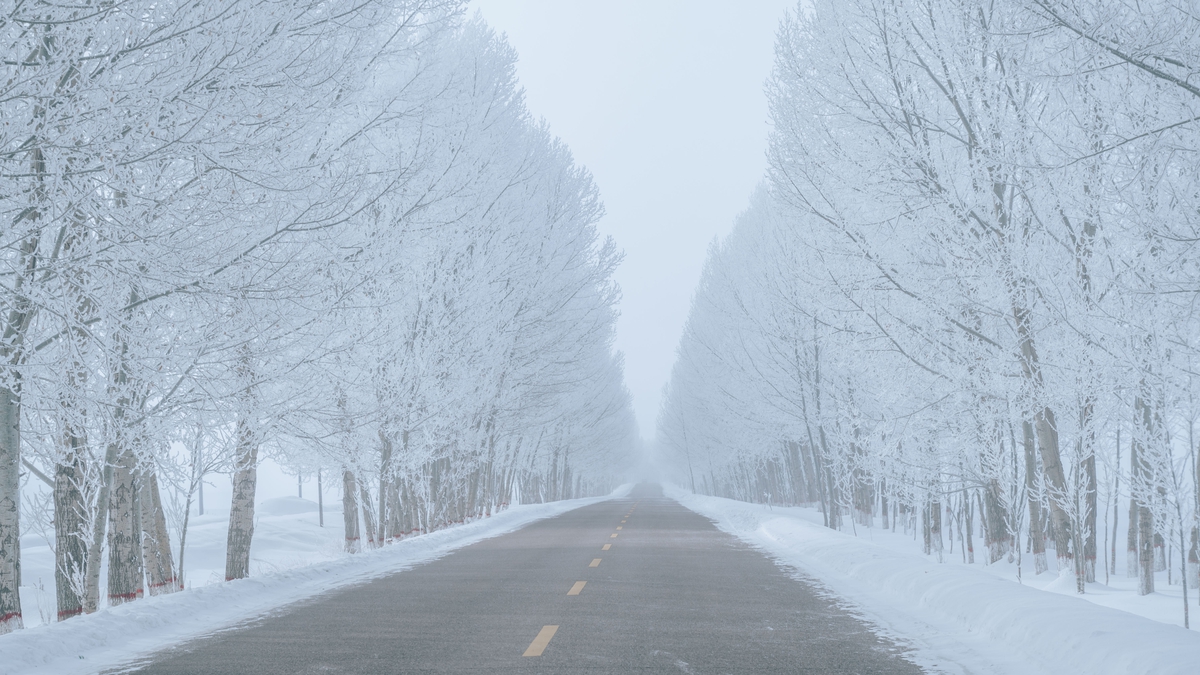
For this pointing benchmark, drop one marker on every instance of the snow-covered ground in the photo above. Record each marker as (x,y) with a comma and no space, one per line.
(286,535)
(961,618)
(292,558)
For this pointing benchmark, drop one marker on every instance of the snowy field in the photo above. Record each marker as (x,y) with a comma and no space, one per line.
(967,619)
(292,558)
(286,535)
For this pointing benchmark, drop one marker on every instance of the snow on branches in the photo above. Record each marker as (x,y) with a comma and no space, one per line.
(333,235)
(965,294)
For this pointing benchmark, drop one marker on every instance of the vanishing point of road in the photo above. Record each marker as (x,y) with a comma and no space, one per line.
(634,585)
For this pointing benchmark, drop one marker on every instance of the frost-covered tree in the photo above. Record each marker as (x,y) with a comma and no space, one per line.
(971,269)
(329,234)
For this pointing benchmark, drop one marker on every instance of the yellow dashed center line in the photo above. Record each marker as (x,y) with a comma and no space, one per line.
(539,643)
(620,528)
(595,562)
(606,547)
(575,590)
(614,535)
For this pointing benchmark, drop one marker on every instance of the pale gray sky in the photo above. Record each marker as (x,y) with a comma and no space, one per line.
(663,101)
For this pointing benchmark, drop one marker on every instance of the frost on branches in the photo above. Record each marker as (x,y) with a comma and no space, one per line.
(964,299)
(330,235)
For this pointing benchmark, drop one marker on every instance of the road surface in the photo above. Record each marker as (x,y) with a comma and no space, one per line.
(636,585)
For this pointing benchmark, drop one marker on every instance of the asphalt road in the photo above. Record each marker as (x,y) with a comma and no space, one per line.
(670,594)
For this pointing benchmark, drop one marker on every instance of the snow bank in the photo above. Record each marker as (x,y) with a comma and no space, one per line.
(118,635)
(973,619)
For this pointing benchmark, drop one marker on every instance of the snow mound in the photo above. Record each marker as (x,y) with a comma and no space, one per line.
(973,619)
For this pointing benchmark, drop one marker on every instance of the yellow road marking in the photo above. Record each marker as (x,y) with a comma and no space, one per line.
(624,521)
(614,535)
(606,547)
(620,528)
(577,588)
(595,562)
(539,643)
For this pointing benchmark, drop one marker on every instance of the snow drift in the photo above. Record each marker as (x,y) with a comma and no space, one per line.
(955,613)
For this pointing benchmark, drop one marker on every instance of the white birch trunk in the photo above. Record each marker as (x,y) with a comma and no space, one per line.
(1037,531)
(241,510)
(124,534)
(350,512)
(10,531)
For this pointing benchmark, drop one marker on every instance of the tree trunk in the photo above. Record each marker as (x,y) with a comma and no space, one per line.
(1086,565)
(395,528)
(1089,522)
(1046,430)
(1037,531)
(1131,538)
(864,491)
(70,547)
(883,502)
(156,540)
(1117,504)
(350,512)
(91,593)
(1193,559)
(137,527)
(933,516)
(241,510)
(368,517)
(115,452)
(926,530)
(1194,547)
(124,538)
(997,538)
(970,524)
(1145,551)
(1140,487)
(795,474)
(385,466)
(831,487)
(408,520)
(1056,485)
(10,530)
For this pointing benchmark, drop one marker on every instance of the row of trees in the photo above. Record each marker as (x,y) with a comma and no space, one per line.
(967,289)
(328,233)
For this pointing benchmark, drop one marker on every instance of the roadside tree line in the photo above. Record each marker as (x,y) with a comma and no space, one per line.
(964,299)
(327,233)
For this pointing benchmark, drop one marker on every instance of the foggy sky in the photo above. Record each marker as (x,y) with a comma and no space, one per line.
(663,101)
